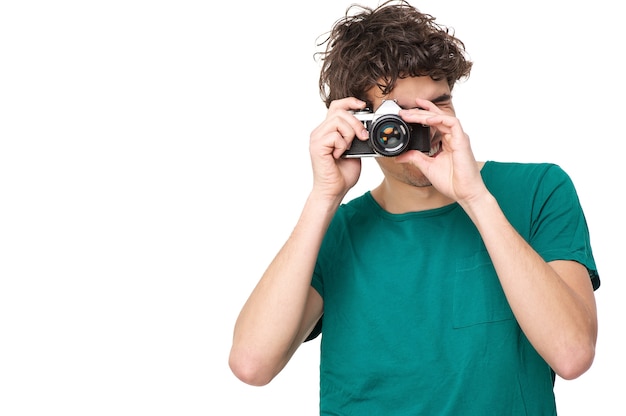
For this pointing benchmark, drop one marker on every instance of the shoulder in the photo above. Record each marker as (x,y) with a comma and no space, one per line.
(354,214)
(508,174)
(494,167)
(360,205)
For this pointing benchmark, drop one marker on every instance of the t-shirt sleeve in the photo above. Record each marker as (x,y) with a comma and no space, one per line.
(559,229)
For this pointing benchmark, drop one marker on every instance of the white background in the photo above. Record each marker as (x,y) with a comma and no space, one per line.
(153,159)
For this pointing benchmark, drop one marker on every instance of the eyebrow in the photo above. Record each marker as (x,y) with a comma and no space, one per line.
(442,98)
(437,100)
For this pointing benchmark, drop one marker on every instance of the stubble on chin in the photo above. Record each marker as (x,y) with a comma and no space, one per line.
(414,177)
(405,173)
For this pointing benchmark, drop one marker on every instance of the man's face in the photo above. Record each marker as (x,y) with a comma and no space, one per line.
(404,93)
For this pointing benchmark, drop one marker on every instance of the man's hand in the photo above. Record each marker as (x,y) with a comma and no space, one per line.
(333,175)
(453,171)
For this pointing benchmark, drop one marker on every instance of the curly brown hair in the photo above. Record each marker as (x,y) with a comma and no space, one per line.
(378,46)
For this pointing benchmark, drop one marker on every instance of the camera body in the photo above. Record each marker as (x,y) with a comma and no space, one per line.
(389,135)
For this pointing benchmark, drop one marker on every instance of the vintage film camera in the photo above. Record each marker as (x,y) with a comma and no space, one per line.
(389,134)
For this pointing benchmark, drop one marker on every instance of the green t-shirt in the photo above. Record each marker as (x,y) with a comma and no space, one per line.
(415,320)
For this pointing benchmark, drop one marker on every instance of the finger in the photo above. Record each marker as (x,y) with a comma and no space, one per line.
(348,126)
(415,157)
(446,123)
(427,105)
(335,135)
(340,145)
(340,126)
(344,109)
(346,104)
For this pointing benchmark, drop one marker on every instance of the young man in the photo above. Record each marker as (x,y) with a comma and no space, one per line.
(455,287)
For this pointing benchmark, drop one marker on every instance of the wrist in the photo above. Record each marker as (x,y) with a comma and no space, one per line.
(484,205)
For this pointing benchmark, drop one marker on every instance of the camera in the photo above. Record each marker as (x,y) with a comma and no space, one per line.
(389,135)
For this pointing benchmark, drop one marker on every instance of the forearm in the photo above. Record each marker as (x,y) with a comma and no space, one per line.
(557,318)
(269,326)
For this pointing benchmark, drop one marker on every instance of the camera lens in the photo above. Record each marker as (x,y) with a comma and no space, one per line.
(389,135)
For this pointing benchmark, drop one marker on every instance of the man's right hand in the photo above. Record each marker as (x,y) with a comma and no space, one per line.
(333,176)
